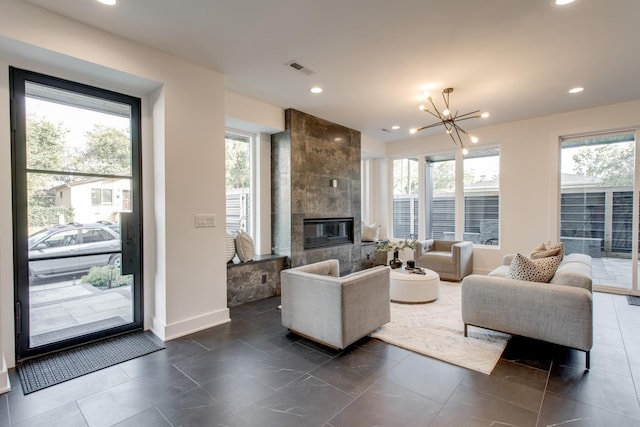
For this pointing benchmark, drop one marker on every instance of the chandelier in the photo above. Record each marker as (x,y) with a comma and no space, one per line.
(450,120)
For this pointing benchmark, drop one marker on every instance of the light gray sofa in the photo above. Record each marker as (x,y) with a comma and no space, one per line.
(451,259)
(332,310)
(560,312)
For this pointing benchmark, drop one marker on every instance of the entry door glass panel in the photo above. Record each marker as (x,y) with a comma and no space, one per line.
(77,176)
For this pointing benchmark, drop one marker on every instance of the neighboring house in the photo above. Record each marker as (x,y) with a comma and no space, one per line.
(94,200)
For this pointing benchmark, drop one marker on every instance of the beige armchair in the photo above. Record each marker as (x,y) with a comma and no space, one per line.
(332,310)
(452,260)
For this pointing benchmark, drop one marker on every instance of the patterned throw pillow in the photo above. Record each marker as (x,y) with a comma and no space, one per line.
(533,270)
(548,249)
(244,246)
(370,233)
(231,247)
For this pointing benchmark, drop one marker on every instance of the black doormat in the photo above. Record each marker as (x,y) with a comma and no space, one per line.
(52,369)
(633,300)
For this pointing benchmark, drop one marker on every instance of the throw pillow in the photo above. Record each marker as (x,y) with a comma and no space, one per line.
(370,233)
(548,249)
(244,246)
(231,247)
(533,270)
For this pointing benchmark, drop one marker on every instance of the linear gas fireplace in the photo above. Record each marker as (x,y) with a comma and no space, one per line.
(324,232)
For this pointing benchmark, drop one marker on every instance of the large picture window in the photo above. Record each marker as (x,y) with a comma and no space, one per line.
(405,198)
(482,196)
(441,196)
(239,182)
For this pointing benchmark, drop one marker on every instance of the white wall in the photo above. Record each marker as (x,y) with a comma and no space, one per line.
(529,178)
(183,161)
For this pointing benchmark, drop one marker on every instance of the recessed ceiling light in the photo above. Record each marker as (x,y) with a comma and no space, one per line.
(316,89)
(108,2)
(563,2)
(395,127)
(576,90)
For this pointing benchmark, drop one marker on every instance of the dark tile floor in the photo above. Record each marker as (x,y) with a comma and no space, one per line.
(251,372)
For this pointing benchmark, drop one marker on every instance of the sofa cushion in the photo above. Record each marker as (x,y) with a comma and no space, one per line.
(533,270)
(244,246)
(548,249)
(574,270)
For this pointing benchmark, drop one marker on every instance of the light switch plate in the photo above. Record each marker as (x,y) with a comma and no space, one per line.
(205,220)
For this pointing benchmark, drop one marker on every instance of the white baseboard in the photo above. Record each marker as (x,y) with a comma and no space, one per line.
(189,326)
(5,383)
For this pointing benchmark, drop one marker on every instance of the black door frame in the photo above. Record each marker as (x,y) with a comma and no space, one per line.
(17,80)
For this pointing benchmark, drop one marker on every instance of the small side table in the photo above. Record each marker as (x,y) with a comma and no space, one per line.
(408,287)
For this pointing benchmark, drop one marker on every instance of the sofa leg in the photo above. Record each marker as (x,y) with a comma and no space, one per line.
(588,360)
(465,329)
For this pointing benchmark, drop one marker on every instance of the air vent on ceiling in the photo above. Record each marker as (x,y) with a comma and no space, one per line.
(299,67)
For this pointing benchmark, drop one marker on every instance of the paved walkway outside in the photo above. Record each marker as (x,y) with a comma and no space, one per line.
(71,304)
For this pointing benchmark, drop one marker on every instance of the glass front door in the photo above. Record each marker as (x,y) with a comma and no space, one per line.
(599,206)
(76,199)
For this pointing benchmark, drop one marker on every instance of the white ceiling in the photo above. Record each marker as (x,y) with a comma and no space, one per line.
(514,58)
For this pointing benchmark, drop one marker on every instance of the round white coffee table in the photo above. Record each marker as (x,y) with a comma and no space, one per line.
(414,288)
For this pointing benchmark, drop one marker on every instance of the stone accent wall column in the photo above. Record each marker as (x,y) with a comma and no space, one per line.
(306,157)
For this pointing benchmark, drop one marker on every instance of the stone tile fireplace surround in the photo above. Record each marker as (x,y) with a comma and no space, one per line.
(315,174)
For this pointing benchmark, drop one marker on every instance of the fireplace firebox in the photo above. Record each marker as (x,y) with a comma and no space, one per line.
(325,232)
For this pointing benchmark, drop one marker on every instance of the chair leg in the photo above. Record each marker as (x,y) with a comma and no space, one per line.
(588,360)
(465,329)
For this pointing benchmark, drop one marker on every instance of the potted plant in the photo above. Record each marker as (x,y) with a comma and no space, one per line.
(395,247)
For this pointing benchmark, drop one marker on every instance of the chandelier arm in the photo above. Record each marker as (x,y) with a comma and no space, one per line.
(435,109)
(433,114)
(471,115)
(445,96)
(457,128)
(453,138)
(429,126)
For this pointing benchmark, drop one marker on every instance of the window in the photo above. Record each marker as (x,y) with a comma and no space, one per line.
(238,161)
(405,198)
(101,196)
(482,196)
(441,196)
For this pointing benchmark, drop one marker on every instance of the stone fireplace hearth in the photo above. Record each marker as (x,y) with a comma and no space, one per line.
(315,175)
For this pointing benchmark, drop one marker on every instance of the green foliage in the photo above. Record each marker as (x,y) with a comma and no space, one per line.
(612,163)
(45,144)
(44,216)
(107,151)
(387,246)
(237,163)
(100,276)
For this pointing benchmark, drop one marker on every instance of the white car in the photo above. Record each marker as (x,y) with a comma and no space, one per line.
(72,249)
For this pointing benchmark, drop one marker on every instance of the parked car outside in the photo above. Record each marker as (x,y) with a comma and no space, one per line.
(71,250)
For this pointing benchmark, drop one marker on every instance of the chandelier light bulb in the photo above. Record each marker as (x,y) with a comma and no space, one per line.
(484,115)
(464,151)
(474,139)
(448,131)
(446,112)
(422,107)
(412,131)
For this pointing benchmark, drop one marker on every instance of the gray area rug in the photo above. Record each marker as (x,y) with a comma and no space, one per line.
(436,329)
(36,374)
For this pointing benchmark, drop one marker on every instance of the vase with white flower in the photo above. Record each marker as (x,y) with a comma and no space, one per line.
(395,247)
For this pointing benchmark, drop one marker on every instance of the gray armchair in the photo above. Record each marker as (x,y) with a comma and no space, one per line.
(452,260)
(332,310)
